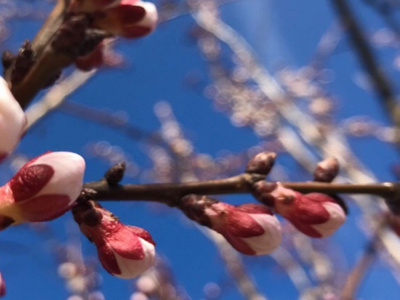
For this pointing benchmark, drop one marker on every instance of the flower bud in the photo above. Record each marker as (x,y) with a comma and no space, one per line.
(326,170)
(91,5)
(43,189)
(262,192)
(2,286)
(261,163)
(124,251)
(12,120)
(250,228)
(130,19)
(314,214)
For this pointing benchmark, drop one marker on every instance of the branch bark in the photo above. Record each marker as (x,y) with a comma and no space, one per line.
(171,193)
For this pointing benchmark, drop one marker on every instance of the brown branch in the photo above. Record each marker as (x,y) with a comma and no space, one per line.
(365,54)
(359,271)
(49,63)
(170,193)
(47,31)
(44,70)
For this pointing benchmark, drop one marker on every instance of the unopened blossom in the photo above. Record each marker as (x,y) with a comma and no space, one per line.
(124,251)
(261,163)
(250,228)
(12,120)
(314,214)
(130,19)
(2,286)
(326,170)
(43,189)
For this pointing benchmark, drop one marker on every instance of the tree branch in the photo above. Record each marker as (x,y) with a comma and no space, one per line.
(171,193)
(368,60)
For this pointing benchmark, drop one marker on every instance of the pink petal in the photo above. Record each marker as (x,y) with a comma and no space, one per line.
(44,208)
(126,243)
(254,208)
(239,244)
(68,173)
(30,180)
(144,234)
(128,20)
(12,120)
(309,212)
(305,228)
(2,286)
(242,225)
(107,259)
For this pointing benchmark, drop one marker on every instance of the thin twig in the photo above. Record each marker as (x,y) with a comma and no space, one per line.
(170,193)
(360,269)
(364,52)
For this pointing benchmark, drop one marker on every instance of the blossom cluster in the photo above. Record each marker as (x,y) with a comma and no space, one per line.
(253,228)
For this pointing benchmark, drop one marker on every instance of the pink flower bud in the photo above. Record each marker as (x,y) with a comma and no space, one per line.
(314,214)
(2,286)
(250,228)
(130,19)
(43,189)
(261,163)
(124,251)
(326,170)
(12,120)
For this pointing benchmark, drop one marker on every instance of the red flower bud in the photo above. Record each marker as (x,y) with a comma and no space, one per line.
(326,170)
(130,19)
(250,228)
(261,163)
(44,188)
(314,214)
(2,286)
(12,120)
(124,251)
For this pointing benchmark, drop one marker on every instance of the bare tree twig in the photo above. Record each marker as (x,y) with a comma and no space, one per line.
(360,269)
(368,60)
(170,193)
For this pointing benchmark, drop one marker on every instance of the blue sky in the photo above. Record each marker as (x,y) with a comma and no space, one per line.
(282,33)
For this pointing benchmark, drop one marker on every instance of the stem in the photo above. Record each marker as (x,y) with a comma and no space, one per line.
(369,62)
(49,28)
(170,193)
(44,70)
(49,63)
(360,269)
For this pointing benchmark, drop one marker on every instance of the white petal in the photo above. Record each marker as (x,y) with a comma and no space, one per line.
(151,17)
(12,119)
(68,169)
(270,239)
(132,268)
(337,218)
